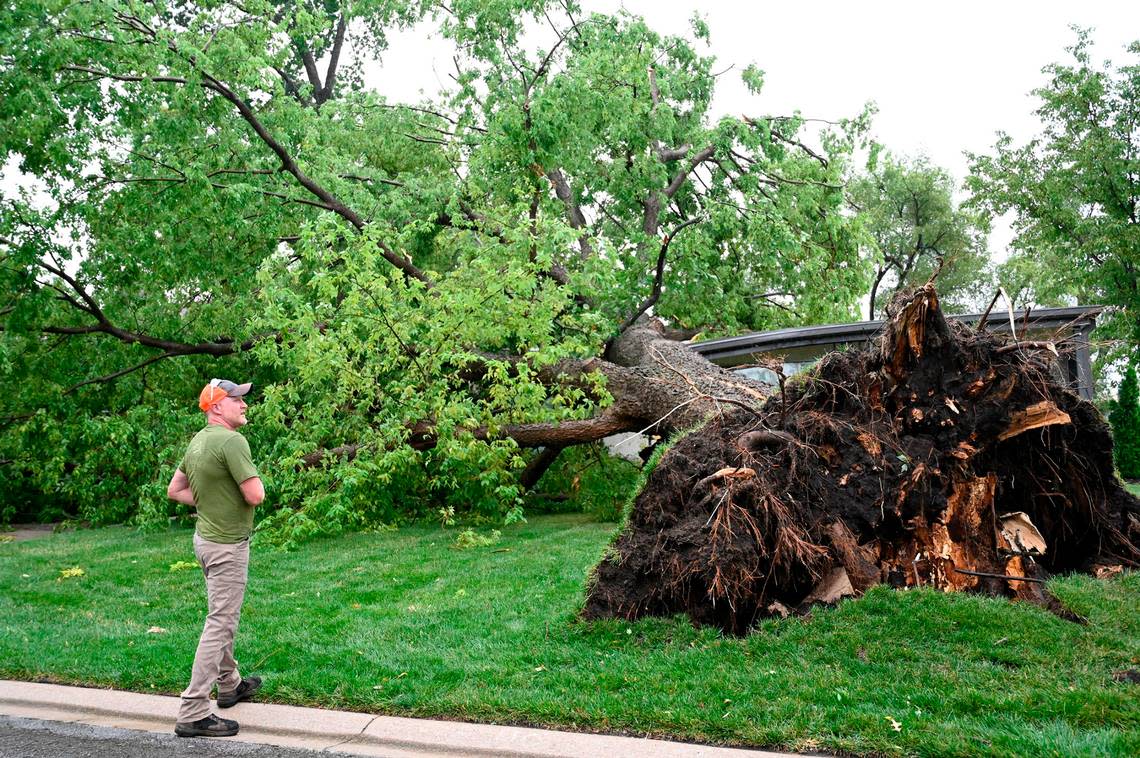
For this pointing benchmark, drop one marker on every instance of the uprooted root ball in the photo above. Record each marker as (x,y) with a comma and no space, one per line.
(940,457)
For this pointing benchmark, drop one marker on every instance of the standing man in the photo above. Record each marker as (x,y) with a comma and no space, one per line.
(217,476)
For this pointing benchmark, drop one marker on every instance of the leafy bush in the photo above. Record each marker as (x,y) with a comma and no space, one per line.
(1125,420)
(470,538)
(103,469)
(587,479)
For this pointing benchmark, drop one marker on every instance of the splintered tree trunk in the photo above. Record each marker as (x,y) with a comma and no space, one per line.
(658,385)
(939,457)
(662,382)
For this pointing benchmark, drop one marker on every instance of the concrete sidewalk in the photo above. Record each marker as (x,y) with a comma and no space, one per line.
(341,731)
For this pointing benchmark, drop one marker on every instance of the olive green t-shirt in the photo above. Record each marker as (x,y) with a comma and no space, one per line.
(216,462)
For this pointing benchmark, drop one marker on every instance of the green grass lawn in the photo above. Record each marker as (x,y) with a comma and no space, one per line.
(1133,488)
(402,623)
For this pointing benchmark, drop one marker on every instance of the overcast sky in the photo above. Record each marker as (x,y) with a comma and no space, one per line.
(945,76)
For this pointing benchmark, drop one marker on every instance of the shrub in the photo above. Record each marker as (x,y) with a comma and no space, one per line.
(1125,420)
(588,479)
(470,538)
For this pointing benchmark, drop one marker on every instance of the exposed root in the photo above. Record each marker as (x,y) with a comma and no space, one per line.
(938,458)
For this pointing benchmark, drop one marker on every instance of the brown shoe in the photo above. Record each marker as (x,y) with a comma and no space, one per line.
(211,726)
(244,691)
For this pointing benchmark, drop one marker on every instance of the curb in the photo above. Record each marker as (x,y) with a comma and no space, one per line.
(342,731)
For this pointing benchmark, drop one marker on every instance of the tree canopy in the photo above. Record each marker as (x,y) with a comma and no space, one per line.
(1074,189)
(1125,420)
(908,209)
(420,291)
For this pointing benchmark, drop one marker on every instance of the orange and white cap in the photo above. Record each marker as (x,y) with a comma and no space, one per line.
(218,389)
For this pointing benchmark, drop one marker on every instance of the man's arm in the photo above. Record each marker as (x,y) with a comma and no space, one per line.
(252,490)
(179,489)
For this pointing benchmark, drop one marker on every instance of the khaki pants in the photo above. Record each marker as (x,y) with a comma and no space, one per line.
(226,568)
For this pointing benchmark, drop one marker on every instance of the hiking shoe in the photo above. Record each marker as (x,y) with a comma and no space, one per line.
(211,726)
(244,691)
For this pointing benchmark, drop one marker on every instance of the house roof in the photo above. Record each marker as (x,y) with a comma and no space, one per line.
(1078,319)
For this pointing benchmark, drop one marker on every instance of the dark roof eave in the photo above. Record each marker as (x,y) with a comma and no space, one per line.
(861,331)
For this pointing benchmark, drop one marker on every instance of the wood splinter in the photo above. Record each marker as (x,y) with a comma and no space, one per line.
(1045,413)
(1039,345)
(1006,577)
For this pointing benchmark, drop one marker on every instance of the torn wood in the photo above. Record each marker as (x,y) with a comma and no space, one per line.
(834,587)
(871,444)
(1021,534)
(742,472)
(1007,577)
(1044,413)
(859,561)
(1036,345)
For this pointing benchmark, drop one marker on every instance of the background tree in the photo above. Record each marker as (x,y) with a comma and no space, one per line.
(422,292)
(1125,420)
(908,210)
(1074,190)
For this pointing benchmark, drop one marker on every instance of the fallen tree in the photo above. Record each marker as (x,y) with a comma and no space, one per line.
(226,195)
(940,456)
(426,295)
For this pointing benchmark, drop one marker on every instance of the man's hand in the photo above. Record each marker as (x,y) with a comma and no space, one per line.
(179,489)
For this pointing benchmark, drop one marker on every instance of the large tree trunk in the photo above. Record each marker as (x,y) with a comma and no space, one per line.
(940,457)
(664,383)
(658,384)
(659,387)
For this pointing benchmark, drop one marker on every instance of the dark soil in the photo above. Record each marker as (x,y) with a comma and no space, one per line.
(897,464)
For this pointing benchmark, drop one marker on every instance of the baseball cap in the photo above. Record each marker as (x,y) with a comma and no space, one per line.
(218,389)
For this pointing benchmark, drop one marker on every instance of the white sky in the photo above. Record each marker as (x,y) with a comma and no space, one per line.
(945,75)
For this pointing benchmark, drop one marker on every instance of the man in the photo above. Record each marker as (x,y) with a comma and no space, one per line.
(217,476)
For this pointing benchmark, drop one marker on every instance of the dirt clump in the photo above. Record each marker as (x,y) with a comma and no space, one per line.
(941,456)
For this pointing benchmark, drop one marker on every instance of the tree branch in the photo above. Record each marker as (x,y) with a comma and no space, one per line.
(123,372)
(104,325)
(766,299)
(665,155)
(539,465)
(291,87)
(573,211)
(562,433)
(311,69)
(545,64)
(657,279)
(793,142)
(326,92)
(679,179)
(288,163)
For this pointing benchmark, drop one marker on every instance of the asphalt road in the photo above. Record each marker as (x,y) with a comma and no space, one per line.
(32,738)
